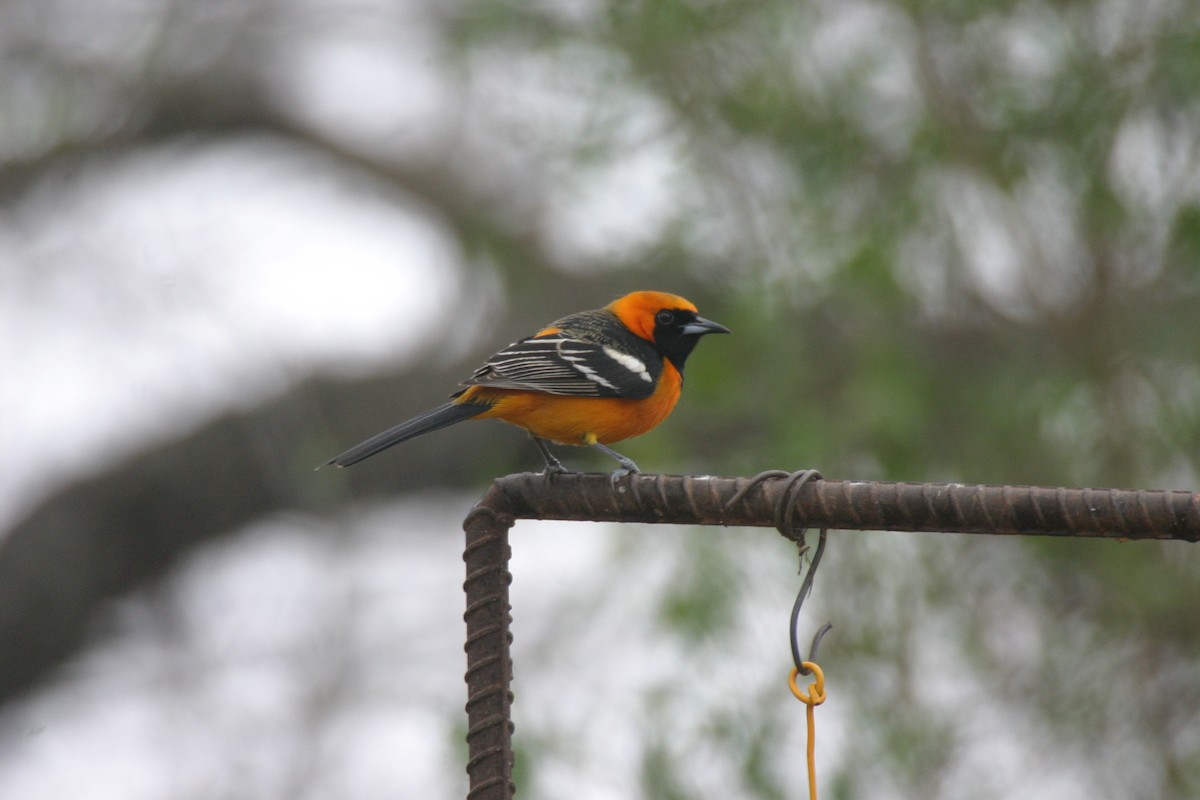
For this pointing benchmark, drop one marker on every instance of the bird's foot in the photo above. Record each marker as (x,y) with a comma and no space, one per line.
(625,469)
(554,468)
(553,465)
(627,465)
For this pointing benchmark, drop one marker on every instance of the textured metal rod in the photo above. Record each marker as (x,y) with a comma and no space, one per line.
(855,505)
(489,663)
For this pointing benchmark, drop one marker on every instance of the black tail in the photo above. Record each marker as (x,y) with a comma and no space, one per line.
(432,420)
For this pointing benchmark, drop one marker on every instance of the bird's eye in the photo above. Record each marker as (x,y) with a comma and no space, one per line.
(664,317)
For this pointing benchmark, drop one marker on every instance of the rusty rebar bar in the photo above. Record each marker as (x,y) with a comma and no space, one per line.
(855,505)
(489,663)
(706,500)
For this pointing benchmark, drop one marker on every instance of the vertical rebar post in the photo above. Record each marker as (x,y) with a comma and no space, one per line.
(489,662)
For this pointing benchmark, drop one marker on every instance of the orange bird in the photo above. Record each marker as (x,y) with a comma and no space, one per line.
(590,379)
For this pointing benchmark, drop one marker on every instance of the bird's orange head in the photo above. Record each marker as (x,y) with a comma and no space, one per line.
(637,310)
(669,321)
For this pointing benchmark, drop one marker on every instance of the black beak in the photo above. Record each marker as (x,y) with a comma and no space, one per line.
(700,326)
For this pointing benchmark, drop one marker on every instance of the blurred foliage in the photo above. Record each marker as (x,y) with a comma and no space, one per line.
(955,241)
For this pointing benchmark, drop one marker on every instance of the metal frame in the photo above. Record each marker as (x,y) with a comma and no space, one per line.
(769,499)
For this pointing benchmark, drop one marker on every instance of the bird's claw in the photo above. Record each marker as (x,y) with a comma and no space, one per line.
(621,472)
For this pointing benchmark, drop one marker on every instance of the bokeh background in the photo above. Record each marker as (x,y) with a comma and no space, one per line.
(955,241)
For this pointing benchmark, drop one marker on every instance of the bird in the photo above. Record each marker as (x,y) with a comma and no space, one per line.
(589,379)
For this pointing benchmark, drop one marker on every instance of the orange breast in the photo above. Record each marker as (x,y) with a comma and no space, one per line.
(581,420)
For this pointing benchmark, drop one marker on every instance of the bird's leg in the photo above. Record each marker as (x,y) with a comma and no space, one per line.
(627,465)
(553,465)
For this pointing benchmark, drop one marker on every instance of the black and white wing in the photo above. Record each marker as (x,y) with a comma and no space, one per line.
(561,364)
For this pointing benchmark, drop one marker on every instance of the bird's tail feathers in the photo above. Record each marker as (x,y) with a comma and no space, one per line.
(432,420)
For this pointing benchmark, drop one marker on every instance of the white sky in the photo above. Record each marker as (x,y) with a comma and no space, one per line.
(186,282)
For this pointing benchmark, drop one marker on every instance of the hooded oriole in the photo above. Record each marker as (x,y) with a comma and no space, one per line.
(590,378)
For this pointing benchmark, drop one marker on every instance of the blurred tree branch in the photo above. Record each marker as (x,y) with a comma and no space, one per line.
(99,536)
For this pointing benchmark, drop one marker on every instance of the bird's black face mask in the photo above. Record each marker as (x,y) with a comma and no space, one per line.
(677,330)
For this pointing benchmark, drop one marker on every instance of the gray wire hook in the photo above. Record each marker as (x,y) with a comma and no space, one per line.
(785,513)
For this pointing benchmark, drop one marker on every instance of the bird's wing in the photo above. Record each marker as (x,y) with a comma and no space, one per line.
(562,364)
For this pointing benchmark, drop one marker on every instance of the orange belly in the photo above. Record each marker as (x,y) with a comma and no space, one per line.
(580,420)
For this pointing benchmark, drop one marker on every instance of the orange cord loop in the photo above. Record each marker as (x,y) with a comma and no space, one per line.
(817,687)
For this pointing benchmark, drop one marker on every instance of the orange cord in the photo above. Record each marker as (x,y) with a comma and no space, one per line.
(812,700)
